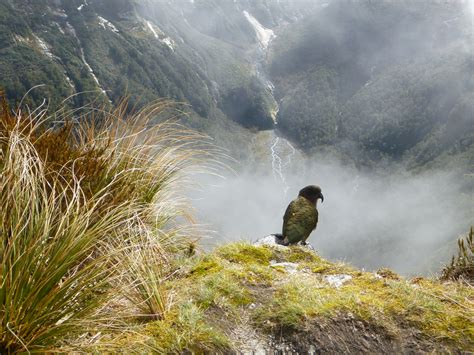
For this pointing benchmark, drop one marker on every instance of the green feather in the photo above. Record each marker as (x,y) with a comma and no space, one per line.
(300,219)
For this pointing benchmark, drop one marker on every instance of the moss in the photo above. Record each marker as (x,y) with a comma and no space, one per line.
(296,254)
(318,269)
(244,253)
(206,265)
(185,330)
(225,282)
(252,275)
(322,266)
(222,290)
(442,311)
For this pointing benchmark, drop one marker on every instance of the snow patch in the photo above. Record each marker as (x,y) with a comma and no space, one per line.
(59,12)
(152,29)
(169,42)
(69,81)
(82,6)
(107,24)
(20,39)
(44,47)
(337,280)
(83,58)
(264,35)
(89,68)
(159,35)
(71,30)
(59,28)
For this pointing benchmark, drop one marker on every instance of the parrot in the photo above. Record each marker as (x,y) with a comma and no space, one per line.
(301,216)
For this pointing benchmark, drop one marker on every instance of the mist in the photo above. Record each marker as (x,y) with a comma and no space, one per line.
(371,219)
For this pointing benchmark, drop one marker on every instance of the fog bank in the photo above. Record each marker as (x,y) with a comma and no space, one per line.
(371,219)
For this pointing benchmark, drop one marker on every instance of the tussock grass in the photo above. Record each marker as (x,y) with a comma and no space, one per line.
(144,282)
(462,266)
(186,328)
(89,212)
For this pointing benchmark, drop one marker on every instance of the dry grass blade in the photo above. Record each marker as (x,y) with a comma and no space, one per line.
(76,200)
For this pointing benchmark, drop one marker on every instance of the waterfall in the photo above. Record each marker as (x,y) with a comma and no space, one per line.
(281,150)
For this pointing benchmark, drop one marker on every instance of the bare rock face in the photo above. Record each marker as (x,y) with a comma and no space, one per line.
(270,240)
(276,240)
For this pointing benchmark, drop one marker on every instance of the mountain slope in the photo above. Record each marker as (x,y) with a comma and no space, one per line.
(373,81)
(201,53)
(379,80)
(187,51)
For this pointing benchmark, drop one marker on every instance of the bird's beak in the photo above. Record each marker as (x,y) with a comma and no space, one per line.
(322,197)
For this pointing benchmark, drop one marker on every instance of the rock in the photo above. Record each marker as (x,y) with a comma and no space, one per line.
(291,268)
(387,274)
(337,280)
(276,241)
(271,240)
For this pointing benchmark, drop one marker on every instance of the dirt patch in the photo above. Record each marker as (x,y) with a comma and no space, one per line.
(348,335)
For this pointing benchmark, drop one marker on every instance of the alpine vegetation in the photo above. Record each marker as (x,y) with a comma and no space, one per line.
(100,251)
(77,201)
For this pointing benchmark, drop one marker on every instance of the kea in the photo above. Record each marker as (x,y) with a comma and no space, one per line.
(301,216)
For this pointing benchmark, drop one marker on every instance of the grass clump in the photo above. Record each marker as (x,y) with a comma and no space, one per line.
(186,330)
(145,283)
(297,254)
(207,265)
(222,290)
(79,201)
(245,253)
(462,266)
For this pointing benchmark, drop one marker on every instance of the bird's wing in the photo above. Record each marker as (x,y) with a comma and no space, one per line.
(308,222)
(288,213)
